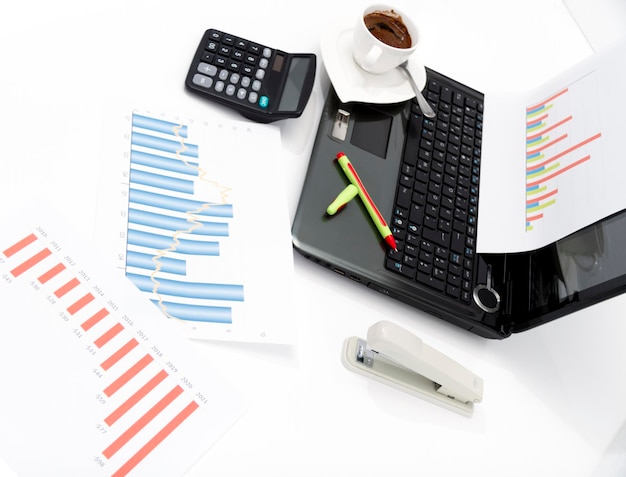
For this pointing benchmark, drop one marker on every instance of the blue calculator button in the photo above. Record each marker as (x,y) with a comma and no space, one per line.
(264,101)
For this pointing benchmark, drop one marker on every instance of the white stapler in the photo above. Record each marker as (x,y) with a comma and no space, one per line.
(395,356)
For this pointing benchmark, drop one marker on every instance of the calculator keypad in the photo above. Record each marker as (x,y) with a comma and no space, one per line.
(234,67)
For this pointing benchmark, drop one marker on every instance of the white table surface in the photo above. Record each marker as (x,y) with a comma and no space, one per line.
(555,396)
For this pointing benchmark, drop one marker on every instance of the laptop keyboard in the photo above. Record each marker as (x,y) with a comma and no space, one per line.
(436,208)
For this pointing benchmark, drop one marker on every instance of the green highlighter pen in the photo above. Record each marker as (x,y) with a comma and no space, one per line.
(345,196)
(373,211)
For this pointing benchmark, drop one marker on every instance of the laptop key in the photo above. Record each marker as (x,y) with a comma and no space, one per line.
(453,291)
(436,236)
(407,271)
(431,281)
(457,243)
(403,198)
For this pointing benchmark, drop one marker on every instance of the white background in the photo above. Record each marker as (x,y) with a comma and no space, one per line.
(555,397)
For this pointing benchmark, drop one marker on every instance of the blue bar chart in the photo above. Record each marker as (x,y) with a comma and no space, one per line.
(192,211)
(561,141)
(169,223)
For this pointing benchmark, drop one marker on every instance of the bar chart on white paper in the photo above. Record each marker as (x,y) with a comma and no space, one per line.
(563,138)
(101,389)
(200,221)
(163,211)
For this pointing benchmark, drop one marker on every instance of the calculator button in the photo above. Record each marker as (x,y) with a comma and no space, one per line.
(215,35)
(245,82)
(267,52)
(219,86)
(241,93)
(256,85)
(263,63)
(228,40)
(223,75)
(241,44)
(234,78)
(253,97)
(202,80)
(230,90)
(260,74)
(254,49)
(224,51)
(206,69)
(264,101)
(212,46)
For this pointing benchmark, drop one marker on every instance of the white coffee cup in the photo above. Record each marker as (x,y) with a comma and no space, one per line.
(372,54)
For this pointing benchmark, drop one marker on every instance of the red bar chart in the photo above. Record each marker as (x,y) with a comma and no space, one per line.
(141,400)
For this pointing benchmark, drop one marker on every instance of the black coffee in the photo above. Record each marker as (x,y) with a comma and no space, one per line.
(389,28)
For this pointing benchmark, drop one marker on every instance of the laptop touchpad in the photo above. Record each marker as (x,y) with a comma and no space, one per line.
(371,130)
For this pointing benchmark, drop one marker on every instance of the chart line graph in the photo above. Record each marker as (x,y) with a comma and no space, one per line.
(192,211)
(170,223)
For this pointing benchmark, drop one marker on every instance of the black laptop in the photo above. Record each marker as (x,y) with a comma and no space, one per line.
(424,176)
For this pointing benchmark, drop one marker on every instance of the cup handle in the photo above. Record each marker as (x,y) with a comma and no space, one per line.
(372,56)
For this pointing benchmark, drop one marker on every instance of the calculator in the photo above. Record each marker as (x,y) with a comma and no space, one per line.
(262,83)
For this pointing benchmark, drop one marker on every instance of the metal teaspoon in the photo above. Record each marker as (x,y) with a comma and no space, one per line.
(421,101)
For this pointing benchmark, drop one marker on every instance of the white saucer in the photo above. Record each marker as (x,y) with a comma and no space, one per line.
(351,83)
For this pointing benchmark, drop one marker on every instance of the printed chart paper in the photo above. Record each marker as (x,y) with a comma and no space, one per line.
(194,213)
(553,160)
(96,382)
(563,154)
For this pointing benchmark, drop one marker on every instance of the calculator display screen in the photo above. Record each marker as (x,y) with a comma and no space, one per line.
(293,87)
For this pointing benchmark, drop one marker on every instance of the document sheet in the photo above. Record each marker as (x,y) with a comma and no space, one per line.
(96,381)
(193,211)
(553,158)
